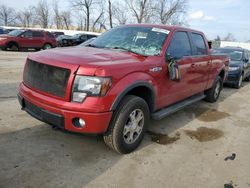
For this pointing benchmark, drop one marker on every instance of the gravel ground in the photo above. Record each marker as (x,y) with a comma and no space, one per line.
(204,145)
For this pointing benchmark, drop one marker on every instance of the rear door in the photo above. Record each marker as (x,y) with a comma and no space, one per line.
(201,62)
(180,49)
(37,39)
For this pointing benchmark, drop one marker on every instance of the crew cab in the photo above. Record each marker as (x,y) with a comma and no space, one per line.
(27,39)
(115,84)
(239,67)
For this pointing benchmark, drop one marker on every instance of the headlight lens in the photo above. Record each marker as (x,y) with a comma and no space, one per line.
(89,86)
(234,68)
(3,38)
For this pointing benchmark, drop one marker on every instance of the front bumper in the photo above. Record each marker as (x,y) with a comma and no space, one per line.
(95,123)
(232,78)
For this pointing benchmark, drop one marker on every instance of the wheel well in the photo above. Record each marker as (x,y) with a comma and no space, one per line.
(222,74)
(145,93)
(12,42)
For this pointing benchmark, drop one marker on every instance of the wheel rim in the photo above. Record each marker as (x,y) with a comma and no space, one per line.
(134,126)
(47,46)
(240,81)
(217,90)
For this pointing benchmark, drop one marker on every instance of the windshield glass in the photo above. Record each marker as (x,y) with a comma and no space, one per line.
(147,41)
(15,32)
(235,55)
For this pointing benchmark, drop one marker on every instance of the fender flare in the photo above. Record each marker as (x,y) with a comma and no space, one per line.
(129,88)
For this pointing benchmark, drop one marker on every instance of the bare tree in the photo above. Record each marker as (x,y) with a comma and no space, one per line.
(141,9)
(169,11)
(7,15)
(229,37)
(110,12)
(85,6)
(42,12)
(66,19)
(120,14)
(57,17)
(26,17)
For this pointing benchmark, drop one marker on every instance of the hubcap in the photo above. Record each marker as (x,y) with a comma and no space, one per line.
(217,90)
(133,127)
(47,46)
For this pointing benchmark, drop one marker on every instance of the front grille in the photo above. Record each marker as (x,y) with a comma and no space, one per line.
(46,78)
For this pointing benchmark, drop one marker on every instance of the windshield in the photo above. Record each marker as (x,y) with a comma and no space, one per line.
(147,41)
(235,55)
(15,32)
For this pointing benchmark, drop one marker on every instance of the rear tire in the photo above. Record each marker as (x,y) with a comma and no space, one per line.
(213,93)
(128,125)
(47,46)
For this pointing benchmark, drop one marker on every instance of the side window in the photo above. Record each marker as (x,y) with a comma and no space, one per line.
(83,37)
(27,34)
(37,34)
(180,45)
(199,44)
(50,35)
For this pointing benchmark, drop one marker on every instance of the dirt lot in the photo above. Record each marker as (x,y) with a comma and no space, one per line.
(187,149)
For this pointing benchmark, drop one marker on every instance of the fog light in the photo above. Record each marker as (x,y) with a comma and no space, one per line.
(78,122)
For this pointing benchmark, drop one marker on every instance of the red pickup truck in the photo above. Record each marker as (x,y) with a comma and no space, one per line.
(114,85)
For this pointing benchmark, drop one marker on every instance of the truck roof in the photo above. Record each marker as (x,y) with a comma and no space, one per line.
(168,27)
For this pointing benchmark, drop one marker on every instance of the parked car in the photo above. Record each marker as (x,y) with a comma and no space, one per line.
(27,39)
(74,40)
(80,38)
(121,79)
(64,40)
(57,33)
(239,68)
(87,42)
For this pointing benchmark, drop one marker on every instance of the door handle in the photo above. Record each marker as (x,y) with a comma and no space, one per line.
(193,65)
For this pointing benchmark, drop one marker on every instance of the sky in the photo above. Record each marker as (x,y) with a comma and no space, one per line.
(213,17)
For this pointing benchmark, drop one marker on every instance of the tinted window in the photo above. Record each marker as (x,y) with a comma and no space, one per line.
(37,34)
(83,37)
(199,44)
(27,34)
(90,36)
(235,54)
(180,45)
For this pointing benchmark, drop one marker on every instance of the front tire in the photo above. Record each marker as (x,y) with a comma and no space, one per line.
(128,125)
(213,93)
(238,85)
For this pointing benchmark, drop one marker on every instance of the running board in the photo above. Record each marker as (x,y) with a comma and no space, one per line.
(177,106)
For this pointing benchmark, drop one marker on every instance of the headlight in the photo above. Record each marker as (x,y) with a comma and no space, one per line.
(89,86)
(3,38)
(234,68)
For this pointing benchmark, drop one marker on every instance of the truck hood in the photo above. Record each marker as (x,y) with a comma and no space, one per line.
(88,58)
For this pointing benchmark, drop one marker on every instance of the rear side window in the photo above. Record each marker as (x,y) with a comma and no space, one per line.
(37,34)
(27,34)
(199,44)
(180,45)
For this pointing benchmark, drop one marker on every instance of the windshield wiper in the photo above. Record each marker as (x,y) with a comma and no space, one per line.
(128,50)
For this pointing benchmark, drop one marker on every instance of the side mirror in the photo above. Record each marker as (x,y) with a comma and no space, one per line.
(246,60)
(168,58)
(210,44)
(21,36)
